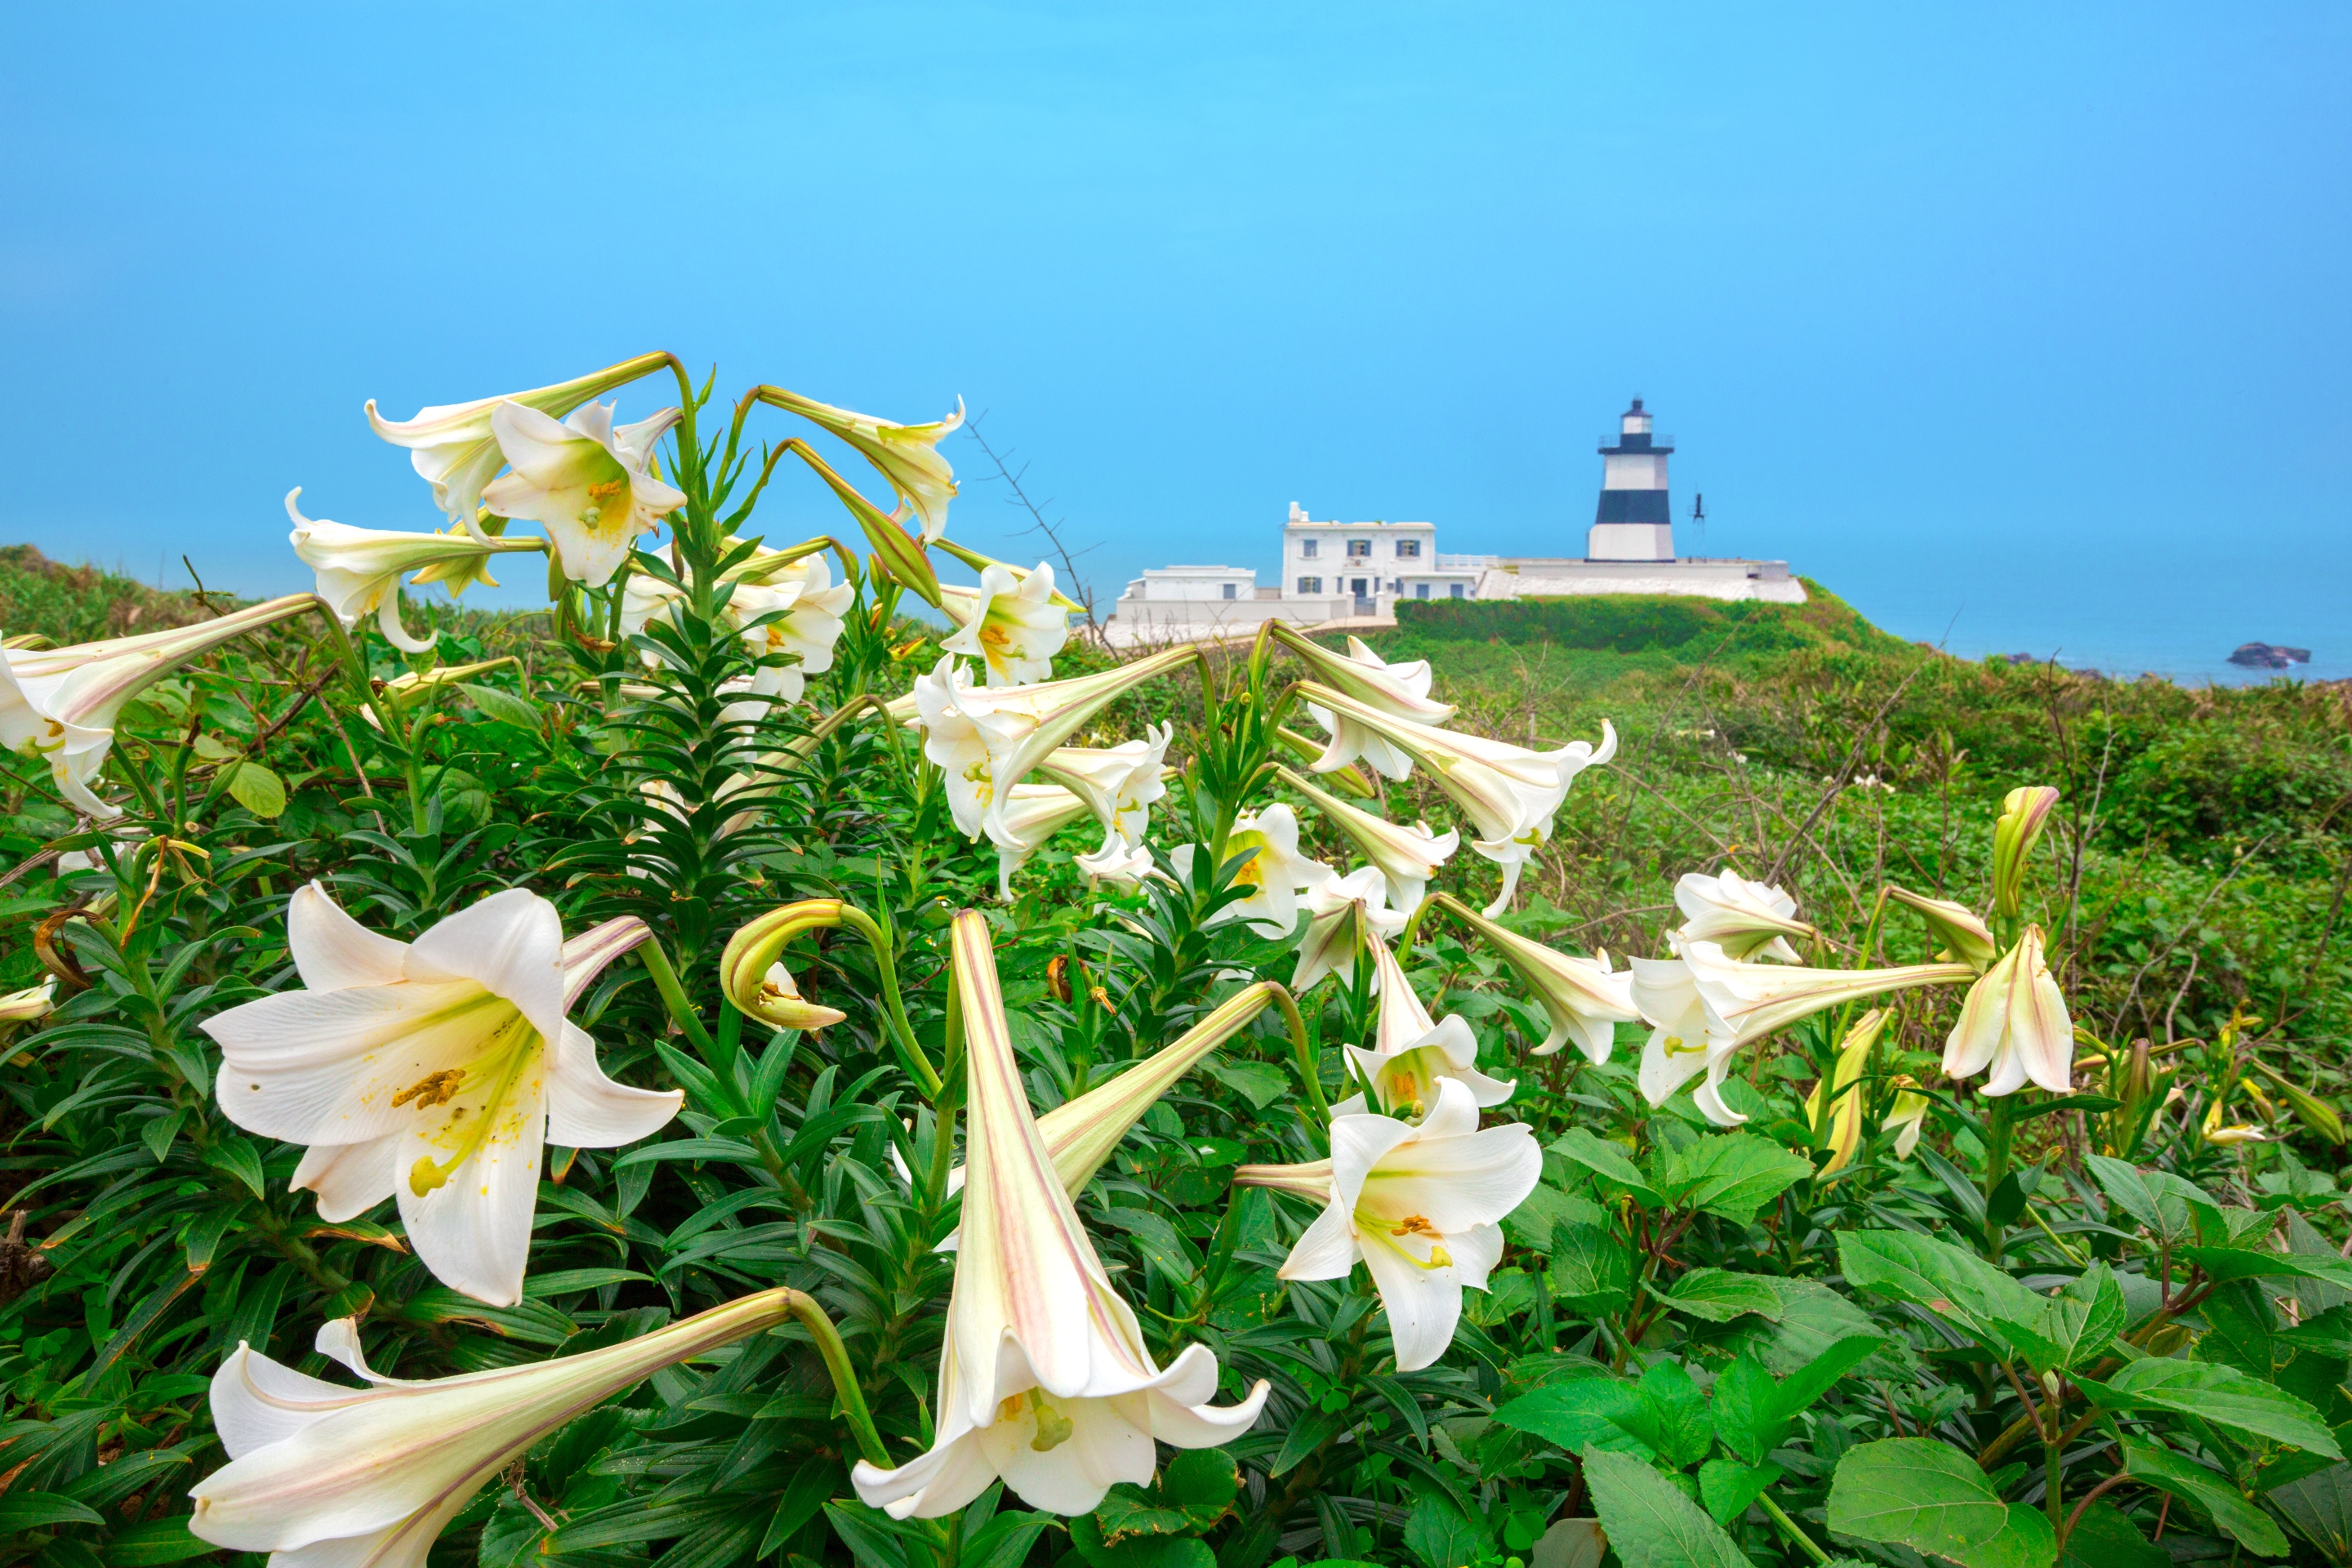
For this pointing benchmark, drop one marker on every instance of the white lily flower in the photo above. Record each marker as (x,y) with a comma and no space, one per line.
(1412,1053)
(1399,689)
(359,568)
(1905,1116)
(1274,873)
(434,1071)
(320,1473)
(1963,936)
(1034,814)
(589,484)
(1117,861)
(813,603)
(454,449)
(906,456)
(1121,782)
(1010,622)
(1511,793)
(2014,1021)
(1706,1007)
(1422,1206)
(987,741)
(1407,857)
(62,703)
(1334,907)
(1045,1380)
(1741,917)
(1584,998)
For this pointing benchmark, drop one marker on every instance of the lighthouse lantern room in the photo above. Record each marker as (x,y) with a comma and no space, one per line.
(1633,523)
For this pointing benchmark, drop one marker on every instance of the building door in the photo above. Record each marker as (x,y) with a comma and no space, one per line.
(1363,586)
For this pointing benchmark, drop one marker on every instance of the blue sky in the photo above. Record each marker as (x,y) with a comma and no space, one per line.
(2025,321)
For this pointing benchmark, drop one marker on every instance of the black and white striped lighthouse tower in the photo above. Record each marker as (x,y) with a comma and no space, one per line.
(1633,523)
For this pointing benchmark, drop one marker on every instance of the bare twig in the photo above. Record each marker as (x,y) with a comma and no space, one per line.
(1077,589)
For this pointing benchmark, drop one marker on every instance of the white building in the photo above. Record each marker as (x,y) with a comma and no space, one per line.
(1354,572)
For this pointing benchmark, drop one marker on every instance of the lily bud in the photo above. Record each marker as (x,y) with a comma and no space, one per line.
(1844,1086)
(1584,998)
(1964,936)
(2313,1111)
(906,456)
(1407,857)
(1907,1114)
(25,1006)
(2023,816)
(758,985)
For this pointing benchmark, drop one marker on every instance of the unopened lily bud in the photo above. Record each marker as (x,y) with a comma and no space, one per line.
(758,984)
(2309,1109)
(1964,936)
(2023,814)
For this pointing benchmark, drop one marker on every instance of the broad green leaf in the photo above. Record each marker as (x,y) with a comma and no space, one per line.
(1649,1520)
(1719,1296)
(2026,1541)
(2209,1491)
(1543,1210)
(1813,1317)
(2103,1538)
(2222,1395)
(1732,1175)
(1439,1533)
(2225,1263)
(1592,1275)
(1201,1477)
(2075,1326)
(1610,1162)
(1914,1492)
(2320,1509)
(2163,1203)
(1728,1486)
(1004,1542)
(258,790)
(1578,1411)
(1943,1278)
(502,707)
(1260,1083)
(154,1544)
(2328,1334)
(1670,1415)
(21,1511)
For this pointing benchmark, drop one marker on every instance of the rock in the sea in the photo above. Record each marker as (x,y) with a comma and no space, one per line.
(2264,656)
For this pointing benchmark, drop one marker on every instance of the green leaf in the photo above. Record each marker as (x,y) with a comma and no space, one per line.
(564,1281)
(21,1511)
(1650,1522)
(1753,1413)
(1138,1552)
(1719,1296)
(2103,1538)
(2026,1541)
(1732,1175)
(2222,1395)
(1591,1274)
(2226,1263)
(1578,1411)
(258,790)
(2320,1509)
(1914,1492)
(1943,1278)
(1728,1486)
(811,1485)
(2158,1199)
(238,1156)
(2230,1508)
(502,707)
(1610,1162)
(2076,1325)
(1260,1083)
(1670,1415)
(155,1543)
(1439,1533)
(1813,1317)
(1544,1211)
(2328,1334)
(1201,1477)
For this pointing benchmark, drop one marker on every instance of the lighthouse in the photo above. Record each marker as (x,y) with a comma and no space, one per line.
(1633,523)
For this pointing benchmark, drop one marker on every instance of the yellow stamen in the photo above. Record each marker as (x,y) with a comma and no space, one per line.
(432,1088)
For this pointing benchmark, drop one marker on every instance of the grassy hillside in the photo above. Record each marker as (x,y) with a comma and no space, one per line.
(39,596)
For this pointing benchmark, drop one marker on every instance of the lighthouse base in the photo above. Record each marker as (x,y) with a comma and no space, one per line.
(1695,576)
(1630,541)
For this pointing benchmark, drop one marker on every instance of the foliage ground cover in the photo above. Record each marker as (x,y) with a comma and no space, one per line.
(588,1022)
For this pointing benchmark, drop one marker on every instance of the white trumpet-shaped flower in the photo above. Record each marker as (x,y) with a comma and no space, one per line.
(1034,814)
(906,456)
(1401,690)
(61,703)
(453,448)
(1906,1115)
(987,741)
(1274,873)
(359,568)
(1511,793)
(434,1071)
(590,484)
(1010,622)
(1119,782)
(2014,1022)
(1422,1206)
(1743,918)
(1342,913)
(812,606)
(1045,1381)
(1412,1053)
(1407,858)
(1963,936)
(1704,1007)
(322,1475)
(1117,861)
(31,1002)
(1584,998)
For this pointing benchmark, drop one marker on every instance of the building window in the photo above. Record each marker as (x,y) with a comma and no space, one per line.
(1310,584)
(1229,590)
(1408,549)
(1307,549)
(1457,591)
(1421,590)
(1359,549)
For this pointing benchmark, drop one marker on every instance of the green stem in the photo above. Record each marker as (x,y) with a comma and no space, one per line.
(673,997)
(1789,1528)
(812,1317)
(880,939)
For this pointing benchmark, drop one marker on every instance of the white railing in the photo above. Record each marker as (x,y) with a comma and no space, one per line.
(1465,562)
